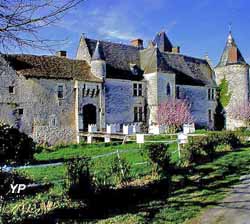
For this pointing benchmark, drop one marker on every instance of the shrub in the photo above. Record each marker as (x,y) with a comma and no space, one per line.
(160,158)
(15,146)
(79,178)
(205,147)
(120,170)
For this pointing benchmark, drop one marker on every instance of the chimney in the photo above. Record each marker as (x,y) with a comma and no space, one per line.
(176,49)
(232,56)
(61,54)
(137,43)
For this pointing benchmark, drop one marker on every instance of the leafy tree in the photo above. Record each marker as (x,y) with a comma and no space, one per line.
(15,146)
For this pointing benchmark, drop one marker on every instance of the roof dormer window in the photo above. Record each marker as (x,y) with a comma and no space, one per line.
(134,69)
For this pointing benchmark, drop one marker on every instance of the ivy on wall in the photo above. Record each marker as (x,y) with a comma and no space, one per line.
(224,95)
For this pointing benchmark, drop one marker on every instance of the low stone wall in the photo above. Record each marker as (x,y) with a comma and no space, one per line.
(53,135)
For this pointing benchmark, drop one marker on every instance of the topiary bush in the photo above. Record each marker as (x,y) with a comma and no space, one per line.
(15,146)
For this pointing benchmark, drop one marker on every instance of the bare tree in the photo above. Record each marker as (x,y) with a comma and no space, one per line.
(21,21)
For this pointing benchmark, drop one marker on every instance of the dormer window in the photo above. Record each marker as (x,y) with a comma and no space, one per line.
(134,69)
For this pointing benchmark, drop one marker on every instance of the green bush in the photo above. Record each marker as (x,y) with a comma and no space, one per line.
(120,171)
(15,146)
(205,147)
(160,158)
(79,178)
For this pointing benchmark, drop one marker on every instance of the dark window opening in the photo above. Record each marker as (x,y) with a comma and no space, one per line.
(138,114)
(168,90)
(209,94)
(20,111)
(134,89)
(210,115)
(135,114)
(60,92)
(178,92)
(139,89)
(11,89)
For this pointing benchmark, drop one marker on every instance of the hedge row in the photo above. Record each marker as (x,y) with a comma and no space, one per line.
(205,147)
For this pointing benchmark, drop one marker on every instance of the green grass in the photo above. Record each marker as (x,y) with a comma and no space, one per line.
(206,186)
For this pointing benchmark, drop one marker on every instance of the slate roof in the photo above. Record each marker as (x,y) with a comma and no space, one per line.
(98,53)
(224,60)
(188,70)
(50,67)
(162,42)
(119,58)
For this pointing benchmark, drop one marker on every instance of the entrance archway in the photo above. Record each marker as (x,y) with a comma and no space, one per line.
(89,115)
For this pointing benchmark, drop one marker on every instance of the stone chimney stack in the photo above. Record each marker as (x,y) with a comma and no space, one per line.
(137,43)
(61,54)
(176,49)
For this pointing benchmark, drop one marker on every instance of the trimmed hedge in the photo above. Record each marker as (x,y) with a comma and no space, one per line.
(204,147)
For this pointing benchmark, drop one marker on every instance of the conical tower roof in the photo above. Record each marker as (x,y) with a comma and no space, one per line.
(162,42)
(231,53)
(98,53)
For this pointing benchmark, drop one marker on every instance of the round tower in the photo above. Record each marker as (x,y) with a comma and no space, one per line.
(232,74)
(98,63)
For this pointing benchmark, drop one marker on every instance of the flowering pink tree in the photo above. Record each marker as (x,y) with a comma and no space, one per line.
(174,113)
(241,112)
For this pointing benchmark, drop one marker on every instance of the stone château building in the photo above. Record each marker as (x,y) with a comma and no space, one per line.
(52,98)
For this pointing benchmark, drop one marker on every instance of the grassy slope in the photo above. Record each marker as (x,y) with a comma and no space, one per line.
(208,186)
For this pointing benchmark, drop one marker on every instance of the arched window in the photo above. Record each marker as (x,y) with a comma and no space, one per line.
(168,90)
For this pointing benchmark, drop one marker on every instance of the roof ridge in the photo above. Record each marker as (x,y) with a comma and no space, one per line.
(115,43)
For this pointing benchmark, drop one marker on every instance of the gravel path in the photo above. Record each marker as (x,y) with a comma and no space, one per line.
(234,209)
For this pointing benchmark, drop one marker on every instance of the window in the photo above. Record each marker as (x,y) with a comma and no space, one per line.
(168,90)
(53,121)
(135,114)
(178,92)
(11,89)
(137,89)
(213,94)
(20,111)
(209,94)
(138,114)
(60,91)
(209,115)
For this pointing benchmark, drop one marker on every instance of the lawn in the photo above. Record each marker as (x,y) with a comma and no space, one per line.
(191,192)
(134,154)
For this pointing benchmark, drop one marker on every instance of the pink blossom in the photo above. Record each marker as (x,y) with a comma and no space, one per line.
(174,112)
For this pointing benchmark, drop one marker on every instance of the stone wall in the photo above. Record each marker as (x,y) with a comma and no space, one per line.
(197,96)
(238,86)
(120,102)
(97,99)
(156,92)
(34,104)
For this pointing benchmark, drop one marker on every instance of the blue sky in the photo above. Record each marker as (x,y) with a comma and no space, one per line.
(197,26)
